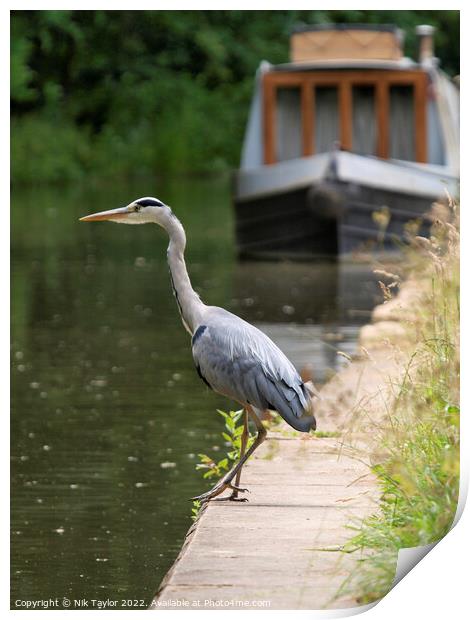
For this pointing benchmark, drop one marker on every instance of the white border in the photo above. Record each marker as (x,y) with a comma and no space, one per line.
(438,587)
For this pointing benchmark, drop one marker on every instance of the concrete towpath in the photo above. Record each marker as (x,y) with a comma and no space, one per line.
(268,552)
(282,548)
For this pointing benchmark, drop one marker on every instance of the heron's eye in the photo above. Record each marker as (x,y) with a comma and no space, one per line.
(137,207)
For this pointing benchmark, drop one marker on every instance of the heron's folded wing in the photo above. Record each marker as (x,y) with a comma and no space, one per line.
(239,361)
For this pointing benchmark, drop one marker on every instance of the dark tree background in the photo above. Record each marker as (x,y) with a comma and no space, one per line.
(107,93)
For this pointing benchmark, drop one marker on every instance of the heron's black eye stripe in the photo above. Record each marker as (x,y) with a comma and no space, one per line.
(149,202)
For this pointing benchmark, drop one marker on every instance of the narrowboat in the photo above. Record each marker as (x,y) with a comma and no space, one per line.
(345,144)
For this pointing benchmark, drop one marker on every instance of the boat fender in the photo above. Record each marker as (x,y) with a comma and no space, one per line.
(325,201)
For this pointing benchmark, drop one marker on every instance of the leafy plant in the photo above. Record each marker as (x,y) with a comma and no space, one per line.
(232,436)
(195,509)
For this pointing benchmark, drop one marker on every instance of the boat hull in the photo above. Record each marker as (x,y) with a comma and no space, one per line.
(347,204)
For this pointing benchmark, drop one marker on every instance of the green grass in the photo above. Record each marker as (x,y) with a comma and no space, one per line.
(419,472)
(325,434)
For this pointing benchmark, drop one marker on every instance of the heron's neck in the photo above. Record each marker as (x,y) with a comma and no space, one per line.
(189,303)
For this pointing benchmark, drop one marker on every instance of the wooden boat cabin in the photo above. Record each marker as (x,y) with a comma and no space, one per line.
(347,127)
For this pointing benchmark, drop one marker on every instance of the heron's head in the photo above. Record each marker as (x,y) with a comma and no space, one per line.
(141,211)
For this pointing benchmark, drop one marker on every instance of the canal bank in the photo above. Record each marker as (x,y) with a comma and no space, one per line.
(283,549)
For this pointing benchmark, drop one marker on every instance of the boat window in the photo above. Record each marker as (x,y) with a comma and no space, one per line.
(385,114)
(288,124)
(364,121)
(326,119)
(402,123)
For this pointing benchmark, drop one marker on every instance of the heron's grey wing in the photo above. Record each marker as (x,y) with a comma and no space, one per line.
(239,361)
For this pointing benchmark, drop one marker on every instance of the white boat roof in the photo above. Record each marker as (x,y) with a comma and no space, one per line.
(346,63)
(390,175)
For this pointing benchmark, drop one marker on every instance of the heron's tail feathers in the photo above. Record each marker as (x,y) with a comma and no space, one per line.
(306,420)
(304,424)
(294,404)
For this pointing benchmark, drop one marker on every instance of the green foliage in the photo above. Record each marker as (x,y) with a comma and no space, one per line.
(20,71)
(195,510)
(233,433)
(325,434)
(148,92)
(419,474)
(212,468)
(419,493)
(232,436)
(39,153)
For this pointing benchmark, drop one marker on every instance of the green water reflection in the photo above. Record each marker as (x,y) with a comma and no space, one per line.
(108,413)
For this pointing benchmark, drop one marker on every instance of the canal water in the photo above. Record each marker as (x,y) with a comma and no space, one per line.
(108,413)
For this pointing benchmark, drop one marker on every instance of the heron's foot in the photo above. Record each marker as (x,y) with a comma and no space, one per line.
(219,488)
(236,490)
(230,498)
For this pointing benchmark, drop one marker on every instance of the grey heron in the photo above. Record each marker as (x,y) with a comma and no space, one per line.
(232,357)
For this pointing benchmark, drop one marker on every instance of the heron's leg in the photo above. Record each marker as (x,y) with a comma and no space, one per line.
(226,481)
(243,442)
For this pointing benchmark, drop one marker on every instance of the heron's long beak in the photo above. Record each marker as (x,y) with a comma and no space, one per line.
(114,214)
